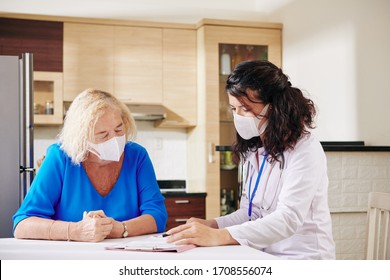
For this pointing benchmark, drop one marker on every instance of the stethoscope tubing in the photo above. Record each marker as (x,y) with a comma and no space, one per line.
(251,197)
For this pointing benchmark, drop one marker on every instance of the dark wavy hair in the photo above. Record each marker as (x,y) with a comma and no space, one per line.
(290,113)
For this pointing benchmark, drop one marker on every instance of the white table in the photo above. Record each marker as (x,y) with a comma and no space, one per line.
(18,249)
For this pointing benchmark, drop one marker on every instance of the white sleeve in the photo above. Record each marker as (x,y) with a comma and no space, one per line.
(237,217)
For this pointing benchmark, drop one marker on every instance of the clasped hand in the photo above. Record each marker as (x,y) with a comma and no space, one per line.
(94,227)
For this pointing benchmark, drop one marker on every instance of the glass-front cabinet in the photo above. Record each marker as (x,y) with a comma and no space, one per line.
(48,106)
(230,176)
(221,46)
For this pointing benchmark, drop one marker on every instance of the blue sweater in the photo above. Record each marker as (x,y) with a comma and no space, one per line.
(62,190)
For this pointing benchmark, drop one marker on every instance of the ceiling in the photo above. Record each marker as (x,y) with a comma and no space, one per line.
(175,11)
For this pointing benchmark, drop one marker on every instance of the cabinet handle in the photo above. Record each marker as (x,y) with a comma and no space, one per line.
(186,201)
(181,220)
(211,153)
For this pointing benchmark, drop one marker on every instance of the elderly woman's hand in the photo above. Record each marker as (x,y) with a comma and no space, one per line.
(96,214)
(94,227)
(117,227)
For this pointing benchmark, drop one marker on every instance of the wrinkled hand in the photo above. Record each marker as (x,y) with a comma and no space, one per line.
(117,227)
(198,234)
(94,227)
(96,214)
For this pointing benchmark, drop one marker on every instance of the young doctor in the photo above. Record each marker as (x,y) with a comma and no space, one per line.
(284,205)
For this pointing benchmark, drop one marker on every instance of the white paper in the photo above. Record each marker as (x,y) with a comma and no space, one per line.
(154,243)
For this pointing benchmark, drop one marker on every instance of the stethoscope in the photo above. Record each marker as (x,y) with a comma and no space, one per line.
(251,196)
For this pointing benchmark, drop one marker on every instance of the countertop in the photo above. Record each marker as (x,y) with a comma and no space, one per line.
(184,194)
(336,146)
(17,249)
(352,146)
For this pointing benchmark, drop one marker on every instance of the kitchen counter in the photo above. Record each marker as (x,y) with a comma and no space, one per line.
(352,146)
(184,194)
(337,146)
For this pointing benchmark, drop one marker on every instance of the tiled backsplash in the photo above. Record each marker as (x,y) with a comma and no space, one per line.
(167,148)
(352,175)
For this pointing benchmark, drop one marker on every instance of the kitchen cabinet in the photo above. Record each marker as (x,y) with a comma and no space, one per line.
(180,76)
(88,58)
(215,125)
(182,206)
(40,37)
(138,64)
(123,60)
(48,104)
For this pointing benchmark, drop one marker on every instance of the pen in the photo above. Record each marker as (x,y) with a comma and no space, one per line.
(165,234)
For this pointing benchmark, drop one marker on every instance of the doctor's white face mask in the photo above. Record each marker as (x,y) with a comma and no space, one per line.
(111,149)
(247,127)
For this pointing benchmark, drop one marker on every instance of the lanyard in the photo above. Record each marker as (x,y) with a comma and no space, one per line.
(255,188)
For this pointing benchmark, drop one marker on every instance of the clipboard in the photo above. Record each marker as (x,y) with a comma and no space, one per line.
(151,244)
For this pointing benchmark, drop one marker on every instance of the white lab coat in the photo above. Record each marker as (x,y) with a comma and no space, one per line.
(290,213)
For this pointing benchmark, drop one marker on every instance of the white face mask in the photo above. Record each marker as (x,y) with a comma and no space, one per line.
(247,127)
(109,150)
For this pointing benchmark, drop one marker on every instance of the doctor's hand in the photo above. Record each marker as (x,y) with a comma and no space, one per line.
(199,234)
(92,228)
(210,223)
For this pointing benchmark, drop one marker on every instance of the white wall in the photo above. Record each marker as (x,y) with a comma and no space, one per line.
(338,51)
(167,148)
(352,176)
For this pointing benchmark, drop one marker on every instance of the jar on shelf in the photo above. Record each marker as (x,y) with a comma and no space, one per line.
(226,157)
(38,109)
(49,107)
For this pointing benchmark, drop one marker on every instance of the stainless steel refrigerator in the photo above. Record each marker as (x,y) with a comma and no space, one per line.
(16,135)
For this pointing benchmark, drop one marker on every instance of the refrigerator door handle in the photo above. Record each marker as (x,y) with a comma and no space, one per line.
(27,124)
(27,169)
(27,175)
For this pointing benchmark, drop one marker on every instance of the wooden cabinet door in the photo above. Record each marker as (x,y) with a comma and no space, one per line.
(88,58)
(179,73)
(48,87)
(138,64)
(41,38)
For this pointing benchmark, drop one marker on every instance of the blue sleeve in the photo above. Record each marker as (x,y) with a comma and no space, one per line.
(151,201)
(45,189)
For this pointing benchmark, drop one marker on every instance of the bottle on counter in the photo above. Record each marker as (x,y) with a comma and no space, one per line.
(232,202)
(224,203)
(225,63)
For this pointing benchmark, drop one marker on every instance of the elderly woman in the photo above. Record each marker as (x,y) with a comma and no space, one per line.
(93,184)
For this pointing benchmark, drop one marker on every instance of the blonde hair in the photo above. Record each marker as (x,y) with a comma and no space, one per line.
(81,118)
